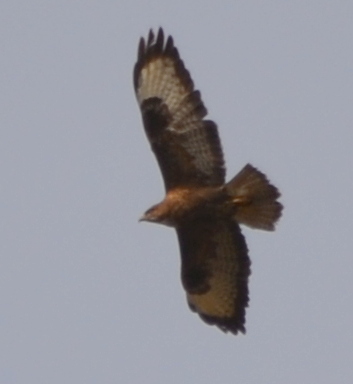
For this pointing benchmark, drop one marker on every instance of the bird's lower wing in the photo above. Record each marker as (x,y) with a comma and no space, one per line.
(215,271)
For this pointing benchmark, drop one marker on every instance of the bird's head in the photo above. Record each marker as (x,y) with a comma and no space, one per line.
(156,214)
(150,215)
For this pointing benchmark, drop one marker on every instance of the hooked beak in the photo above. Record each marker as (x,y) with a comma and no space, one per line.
(142,218)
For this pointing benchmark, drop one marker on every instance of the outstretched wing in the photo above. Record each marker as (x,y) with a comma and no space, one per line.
(187,148)
(215,271)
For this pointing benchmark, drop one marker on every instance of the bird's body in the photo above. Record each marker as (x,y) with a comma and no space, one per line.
(202,203)
(204,210)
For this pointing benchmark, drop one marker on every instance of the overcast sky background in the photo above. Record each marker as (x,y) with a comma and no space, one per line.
(89,295)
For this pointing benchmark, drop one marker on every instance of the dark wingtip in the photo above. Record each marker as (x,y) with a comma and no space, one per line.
(150,37)
(169,45)
(160,38)
(232,325)
(141,48)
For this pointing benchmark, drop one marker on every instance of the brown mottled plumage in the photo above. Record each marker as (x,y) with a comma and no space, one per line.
(204,210)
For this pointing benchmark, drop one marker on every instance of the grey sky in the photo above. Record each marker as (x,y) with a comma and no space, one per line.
(89,295)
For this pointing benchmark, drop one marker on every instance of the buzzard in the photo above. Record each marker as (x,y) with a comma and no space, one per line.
(204,210)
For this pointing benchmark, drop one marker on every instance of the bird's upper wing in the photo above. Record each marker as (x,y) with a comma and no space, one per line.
(187,147)
(215,271)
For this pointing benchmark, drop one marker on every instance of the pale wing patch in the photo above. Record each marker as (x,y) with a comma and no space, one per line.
(158,78)
(189,113)
(219,300)
(198,146)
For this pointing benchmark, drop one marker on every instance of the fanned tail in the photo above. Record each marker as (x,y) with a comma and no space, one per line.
(255,199)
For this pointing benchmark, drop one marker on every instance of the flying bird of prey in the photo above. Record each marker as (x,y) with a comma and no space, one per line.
(204,210)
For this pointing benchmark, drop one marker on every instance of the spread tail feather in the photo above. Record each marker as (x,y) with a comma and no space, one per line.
(255,199)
